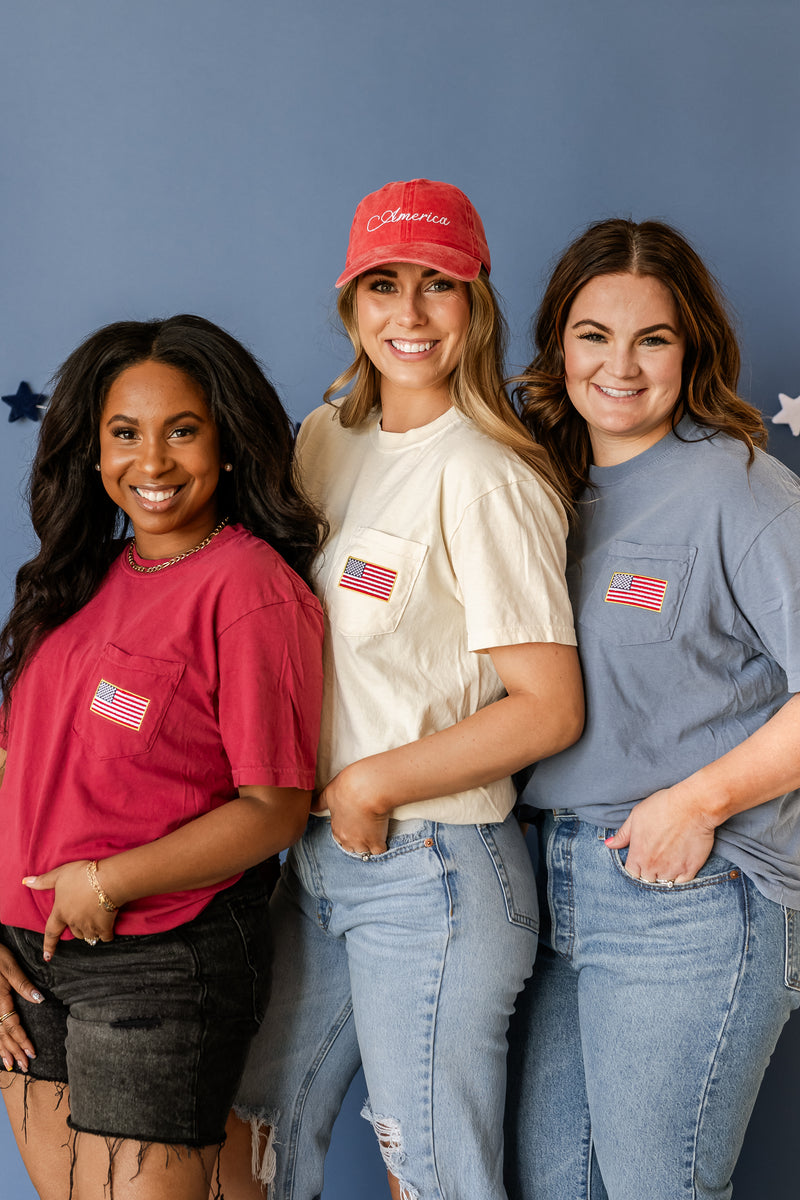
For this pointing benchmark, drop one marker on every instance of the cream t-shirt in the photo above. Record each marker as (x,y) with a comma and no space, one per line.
(442,544)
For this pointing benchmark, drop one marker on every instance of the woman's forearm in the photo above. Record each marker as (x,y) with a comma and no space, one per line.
(671,832)
(207,850)
(764,765)
(542,714)
(489,745)
(239,834)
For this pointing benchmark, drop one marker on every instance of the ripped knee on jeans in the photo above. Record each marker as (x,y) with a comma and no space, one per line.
(390,1139)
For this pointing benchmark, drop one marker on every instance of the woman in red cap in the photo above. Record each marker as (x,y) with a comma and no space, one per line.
(405,920)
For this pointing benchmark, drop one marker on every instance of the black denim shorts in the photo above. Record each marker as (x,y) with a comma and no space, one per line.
(151,1032)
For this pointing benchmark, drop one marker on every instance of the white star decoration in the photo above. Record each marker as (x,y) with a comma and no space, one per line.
(789,414)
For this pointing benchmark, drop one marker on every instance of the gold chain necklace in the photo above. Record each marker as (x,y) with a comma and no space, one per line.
(163,566)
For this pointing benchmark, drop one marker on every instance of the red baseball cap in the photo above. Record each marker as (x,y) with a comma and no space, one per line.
(419,221)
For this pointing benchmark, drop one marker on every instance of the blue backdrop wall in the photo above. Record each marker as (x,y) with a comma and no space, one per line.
(206,156)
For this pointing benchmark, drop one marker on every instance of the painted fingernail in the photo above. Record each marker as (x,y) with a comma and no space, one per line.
(7,1063)
(30,1054)
(609,839)
(21,1063)
(29,879)
(37,997)
(47,956)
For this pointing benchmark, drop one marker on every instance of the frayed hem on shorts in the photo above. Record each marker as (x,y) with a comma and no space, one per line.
(27,1081)
(171,1149)
(114,1142)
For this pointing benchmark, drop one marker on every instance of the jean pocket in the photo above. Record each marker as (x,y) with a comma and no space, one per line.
(356,857)
(715,870)
(792,971)
(514,871)
(404,836)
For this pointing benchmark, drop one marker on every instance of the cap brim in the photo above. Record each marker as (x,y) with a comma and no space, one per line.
(422,254)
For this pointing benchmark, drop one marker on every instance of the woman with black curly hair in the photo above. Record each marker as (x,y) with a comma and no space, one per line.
(160,721)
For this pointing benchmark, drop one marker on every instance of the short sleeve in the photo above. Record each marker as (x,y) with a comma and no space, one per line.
(270,694)
(509,555)
(766,588)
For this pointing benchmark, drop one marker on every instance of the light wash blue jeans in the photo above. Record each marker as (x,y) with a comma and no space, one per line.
(410,963)
(640,1042)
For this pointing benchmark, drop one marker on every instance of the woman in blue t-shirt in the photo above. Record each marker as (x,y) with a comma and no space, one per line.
(670,834)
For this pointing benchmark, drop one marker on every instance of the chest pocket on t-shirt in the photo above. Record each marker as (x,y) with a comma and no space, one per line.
(638,596)
(371,582)
(124,702)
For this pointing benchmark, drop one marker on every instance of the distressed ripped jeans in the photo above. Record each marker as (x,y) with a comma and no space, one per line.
(410,963)
(642,1037)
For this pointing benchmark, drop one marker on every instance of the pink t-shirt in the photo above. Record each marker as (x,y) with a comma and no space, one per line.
(149,707)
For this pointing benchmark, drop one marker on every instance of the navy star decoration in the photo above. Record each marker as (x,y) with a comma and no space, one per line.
(25,404)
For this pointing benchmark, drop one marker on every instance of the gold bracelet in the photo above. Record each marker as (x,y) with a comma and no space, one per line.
(102,898)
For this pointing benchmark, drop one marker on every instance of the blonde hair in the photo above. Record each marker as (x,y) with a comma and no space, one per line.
(476,385)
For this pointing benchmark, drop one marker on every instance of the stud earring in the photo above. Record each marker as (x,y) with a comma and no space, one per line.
(227,466)
(97,466)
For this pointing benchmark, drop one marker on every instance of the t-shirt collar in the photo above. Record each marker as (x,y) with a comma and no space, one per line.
(686,431)
(412,437)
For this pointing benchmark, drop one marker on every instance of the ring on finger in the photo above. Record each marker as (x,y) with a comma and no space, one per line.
(366,856)
(91,941)
(11,1013)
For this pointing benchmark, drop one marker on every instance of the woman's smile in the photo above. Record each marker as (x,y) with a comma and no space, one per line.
(159,457)
(412,322)
(623,363)
(404,348)
(154,499)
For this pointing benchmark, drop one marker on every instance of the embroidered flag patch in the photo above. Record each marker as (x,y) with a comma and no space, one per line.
(115,704)
(366,577)
(638,590)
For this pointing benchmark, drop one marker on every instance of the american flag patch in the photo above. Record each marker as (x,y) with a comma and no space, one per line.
(638,590)
(115,704)
(366,577)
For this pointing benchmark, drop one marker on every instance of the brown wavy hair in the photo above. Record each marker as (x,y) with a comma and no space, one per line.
(476,385)
(710,364)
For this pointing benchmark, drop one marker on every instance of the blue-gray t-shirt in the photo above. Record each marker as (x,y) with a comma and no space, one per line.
(685,581)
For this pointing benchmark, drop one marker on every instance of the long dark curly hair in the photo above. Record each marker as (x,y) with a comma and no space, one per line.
(80,528)
(710,363)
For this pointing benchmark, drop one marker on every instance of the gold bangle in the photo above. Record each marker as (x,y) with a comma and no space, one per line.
(102,898)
